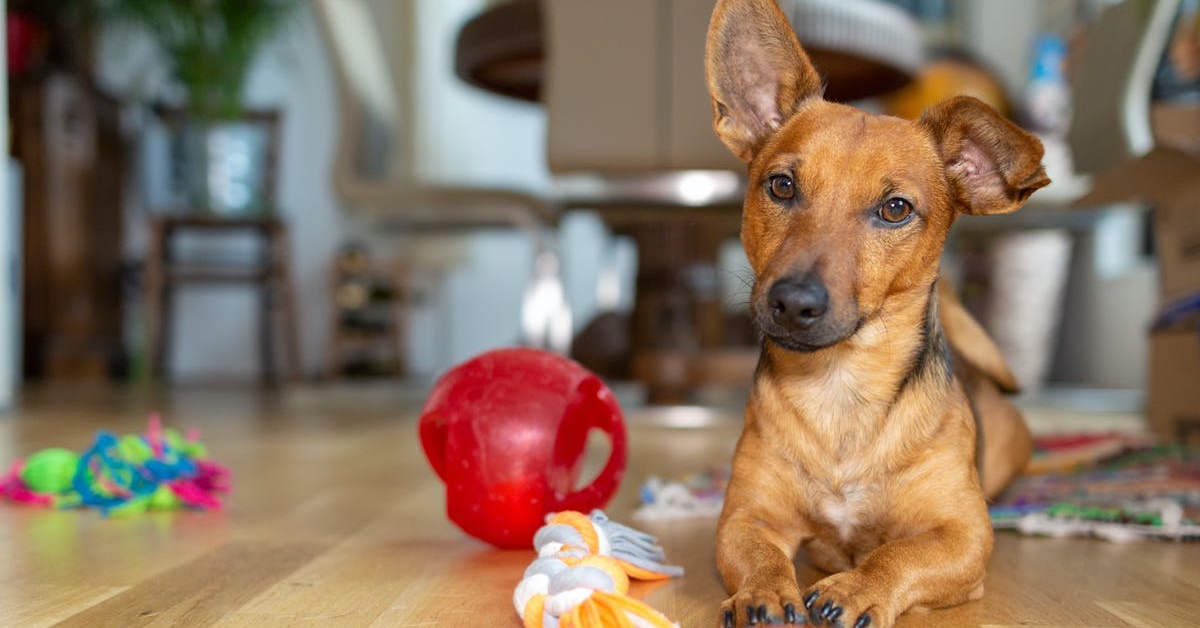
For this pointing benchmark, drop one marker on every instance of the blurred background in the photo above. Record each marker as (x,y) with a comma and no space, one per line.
(268,192)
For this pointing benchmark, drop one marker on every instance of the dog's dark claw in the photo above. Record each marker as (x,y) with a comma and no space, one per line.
(762,615)
(812,597)
(814,614)
(863,621)
(729,619)
(751,616)
(789,614)
(829,611)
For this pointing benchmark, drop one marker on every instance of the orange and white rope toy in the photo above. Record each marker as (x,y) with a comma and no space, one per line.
(581,576)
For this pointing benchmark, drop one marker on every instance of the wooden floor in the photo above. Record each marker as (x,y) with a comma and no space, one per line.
(336,520)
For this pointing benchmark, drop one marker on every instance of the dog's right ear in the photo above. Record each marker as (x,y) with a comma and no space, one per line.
(757,72)
(992,164)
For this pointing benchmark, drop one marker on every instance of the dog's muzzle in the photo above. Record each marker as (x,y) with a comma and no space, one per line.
(798,314)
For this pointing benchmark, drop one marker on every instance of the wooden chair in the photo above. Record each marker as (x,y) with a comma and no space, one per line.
(268,272)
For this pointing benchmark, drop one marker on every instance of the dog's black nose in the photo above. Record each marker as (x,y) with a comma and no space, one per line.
(797,303)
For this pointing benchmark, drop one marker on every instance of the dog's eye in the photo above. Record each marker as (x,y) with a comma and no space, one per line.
(781,187)
(895,211)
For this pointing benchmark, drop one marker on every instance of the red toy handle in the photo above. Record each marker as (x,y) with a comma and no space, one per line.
(596,401)
(432,430)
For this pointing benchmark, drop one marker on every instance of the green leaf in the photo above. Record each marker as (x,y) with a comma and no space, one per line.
(212,44)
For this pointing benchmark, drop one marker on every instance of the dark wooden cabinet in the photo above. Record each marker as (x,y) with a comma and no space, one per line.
(67,137)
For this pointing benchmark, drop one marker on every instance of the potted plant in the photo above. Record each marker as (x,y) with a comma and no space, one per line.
(212,46)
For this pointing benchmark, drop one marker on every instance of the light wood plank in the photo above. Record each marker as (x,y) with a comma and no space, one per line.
(1146,615)
(35,606)
(200,592)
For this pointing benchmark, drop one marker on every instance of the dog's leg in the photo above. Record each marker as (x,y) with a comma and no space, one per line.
(928,570)
(939,567)
(757,538)
(756,563)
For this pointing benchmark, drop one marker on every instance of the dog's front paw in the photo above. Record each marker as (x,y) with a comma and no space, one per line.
(846,600)
(763,606)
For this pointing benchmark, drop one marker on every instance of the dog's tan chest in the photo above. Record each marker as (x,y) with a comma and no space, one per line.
(832,397)
(843,511)
(846,395)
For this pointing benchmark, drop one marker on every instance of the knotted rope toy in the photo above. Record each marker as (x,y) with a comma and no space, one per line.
(162,470)
(581,576)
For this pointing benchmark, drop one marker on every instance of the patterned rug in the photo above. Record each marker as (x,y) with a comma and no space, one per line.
(1114,486)
(1141,491)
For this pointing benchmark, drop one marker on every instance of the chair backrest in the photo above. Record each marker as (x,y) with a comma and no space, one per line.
(371,142)
(248,182)
(641,104)
(1111,87)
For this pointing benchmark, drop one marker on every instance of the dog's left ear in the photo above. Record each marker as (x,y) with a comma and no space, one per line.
(993,165)
(757,73)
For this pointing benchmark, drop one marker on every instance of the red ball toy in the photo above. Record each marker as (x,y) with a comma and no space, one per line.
(506,432)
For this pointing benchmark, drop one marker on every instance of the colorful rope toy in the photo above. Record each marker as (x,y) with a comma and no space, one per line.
(581,576)
(161,470)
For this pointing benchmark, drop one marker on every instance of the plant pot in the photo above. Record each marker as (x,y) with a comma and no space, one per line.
(224,166)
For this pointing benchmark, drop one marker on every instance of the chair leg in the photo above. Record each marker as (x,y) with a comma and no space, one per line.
(154,315)
(282,311)
(166,331)
(155,299)
(266,333)
(291,339)
(333,358)
(282,264)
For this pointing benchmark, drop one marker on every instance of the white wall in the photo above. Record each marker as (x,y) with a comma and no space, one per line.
(11,212)
(467,136)
(1002,34)
(1110,306)
(10,221)
(465,133)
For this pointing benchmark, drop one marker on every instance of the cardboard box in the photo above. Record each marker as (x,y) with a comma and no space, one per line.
(1167,179)
(1176,125)
(1173,397)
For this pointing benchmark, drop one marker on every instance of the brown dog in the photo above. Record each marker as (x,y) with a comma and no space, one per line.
(860,434)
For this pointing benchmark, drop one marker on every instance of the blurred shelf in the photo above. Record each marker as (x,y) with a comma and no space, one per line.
(371,306)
